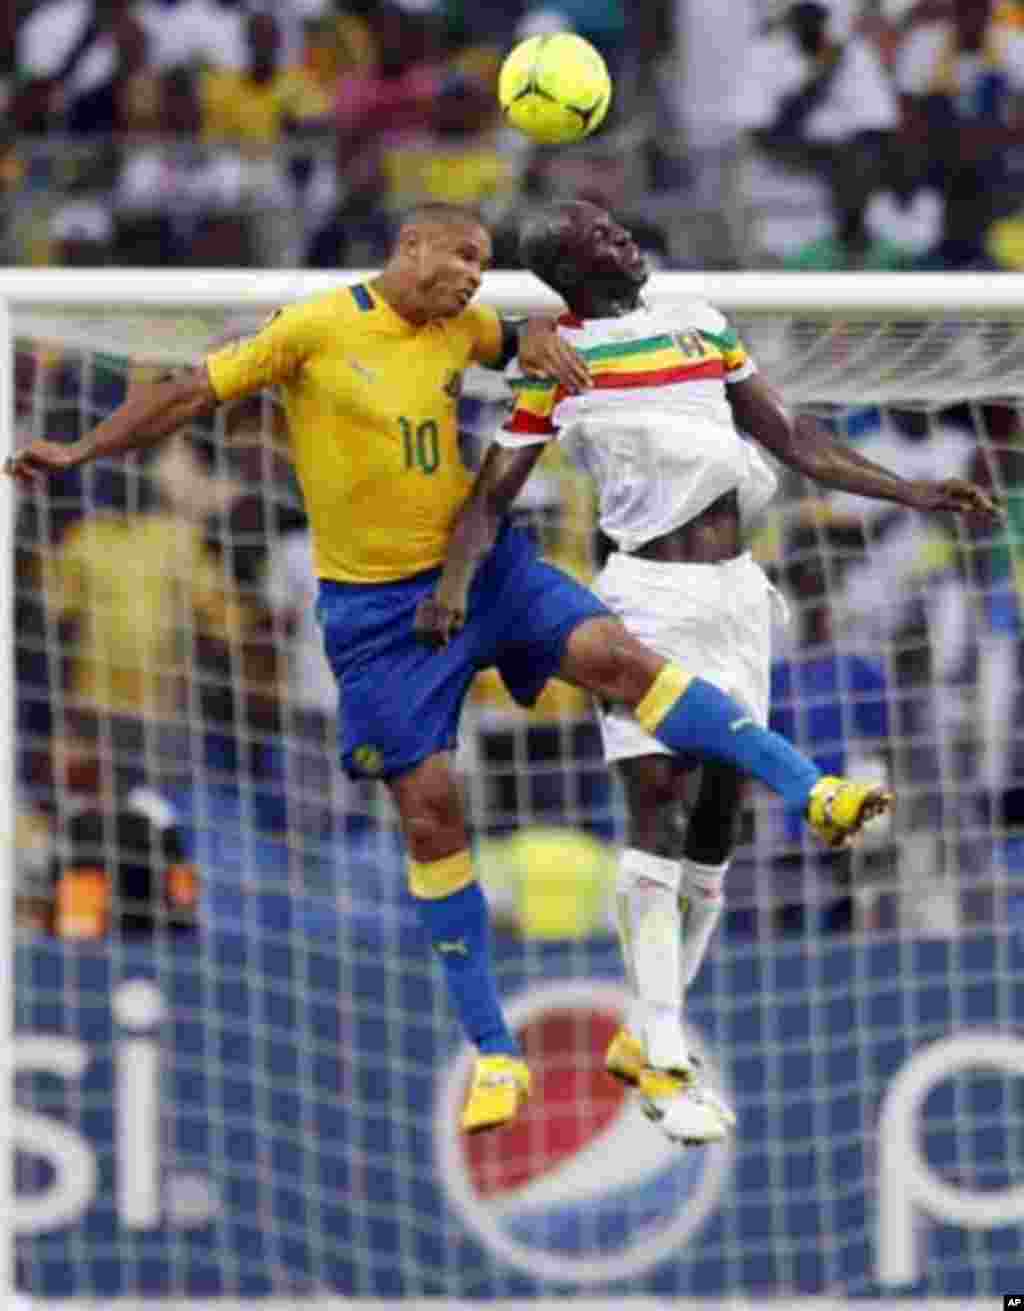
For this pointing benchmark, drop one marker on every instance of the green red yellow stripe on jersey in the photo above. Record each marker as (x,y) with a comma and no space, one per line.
(659,361)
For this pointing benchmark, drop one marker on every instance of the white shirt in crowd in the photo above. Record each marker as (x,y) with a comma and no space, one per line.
(921,70)
(182,182)
(878,593)
(291,590)
(797,206)
(47,37)
(914,224)
(702,77)
(193,31)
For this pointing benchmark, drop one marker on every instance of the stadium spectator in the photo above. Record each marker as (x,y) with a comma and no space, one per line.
(8,54)
(65,48)
(54,392)
(264,102)
(601,22)
(334,44)
(260,109)
(107,861)
(456,157)
(203,33)
(383,105)
(241,685)
(698,68)
(834,704)
(82,233)
(315,792)
(904,216)
(818,109)
(910,578)
(12,173)
(297,19)
(995,567)
(33,872)
(180,202)
(347,227)
(902,223)
(132,590)
(960,79)
(128,99)
(81,218)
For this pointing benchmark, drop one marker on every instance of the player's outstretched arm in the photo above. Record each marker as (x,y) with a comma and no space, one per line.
(501,478)
(147,415)
(805,445)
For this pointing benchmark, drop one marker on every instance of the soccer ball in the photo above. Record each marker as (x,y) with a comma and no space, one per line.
(554,88)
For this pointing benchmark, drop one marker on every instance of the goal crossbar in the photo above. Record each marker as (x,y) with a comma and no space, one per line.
(928,295)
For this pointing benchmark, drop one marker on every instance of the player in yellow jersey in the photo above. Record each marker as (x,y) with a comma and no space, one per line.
(369,376)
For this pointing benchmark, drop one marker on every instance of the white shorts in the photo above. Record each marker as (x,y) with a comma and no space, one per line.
(714,620)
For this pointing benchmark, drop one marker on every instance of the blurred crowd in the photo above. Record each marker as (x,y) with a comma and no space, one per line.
(820,134)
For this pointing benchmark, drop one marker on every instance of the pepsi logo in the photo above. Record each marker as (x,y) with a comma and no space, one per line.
(581,1188)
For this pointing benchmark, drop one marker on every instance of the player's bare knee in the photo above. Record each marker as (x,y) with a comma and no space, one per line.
(431,812)
(651,789)
(637,670)
(604,658)
(653,805)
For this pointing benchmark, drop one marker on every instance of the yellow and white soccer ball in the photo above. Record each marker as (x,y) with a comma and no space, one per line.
(555,88)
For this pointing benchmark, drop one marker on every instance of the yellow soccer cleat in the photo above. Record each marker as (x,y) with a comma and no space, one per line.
(683,1106)
(839,808)
(683,1102)
(625,1057)
(501,1084)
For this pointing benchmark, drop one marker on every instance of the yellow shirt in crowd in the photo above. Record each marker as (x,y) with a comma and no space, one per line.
(137,587)
(249,113)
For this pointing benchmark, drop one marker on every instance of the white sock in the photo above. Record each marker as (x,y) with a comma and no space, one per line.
(701,887)
(635,1015)
(651,942)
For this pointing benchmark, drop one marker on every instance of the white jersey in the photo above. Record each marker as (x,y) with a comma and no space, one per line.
(655,432)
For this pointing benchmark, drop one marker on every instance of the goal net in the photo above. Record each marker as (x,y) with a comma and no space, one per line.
(240,1078)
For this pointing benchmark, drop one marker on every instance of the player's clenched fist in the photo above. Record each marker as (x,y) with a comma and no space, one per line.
(437,623)
(39,458)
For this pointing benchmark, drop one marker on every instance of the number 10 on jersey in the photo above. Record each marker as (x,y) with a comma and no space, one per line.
(421,445)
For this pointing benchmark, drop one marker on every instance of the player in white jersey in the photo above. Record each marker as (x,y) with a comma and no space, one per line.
(659,431)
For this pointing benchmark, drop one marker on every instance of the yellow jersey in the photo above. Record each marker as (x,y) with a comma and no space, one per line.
(237,108)
(371,402)
(138,585)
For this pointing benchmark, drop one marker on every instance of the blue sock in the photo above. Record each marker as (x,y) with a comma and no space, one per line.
(459,929)
(704,721)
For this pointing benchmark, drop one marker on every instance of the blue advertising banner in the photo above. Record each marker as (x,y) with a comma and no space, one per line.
(275,1112)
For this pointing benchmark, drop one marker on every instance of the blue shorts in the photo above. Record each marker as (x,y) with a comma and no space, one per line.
(399,700)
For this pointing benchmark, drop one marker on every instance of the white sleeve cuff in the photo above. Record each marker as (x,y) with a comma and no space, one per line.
(512,440)
(741,374)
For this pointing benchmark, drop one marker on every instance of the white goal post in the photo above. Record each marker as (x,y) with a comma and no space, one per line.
(857,336)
